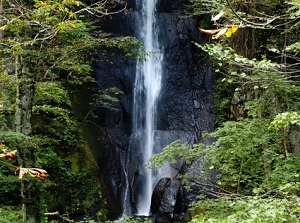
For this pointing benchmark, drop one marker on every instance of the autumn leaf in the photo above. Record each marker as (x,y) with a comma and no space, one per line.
(34,172)
(38,173)
(221,33)
(231,30)
(209,31)
(9,155)
(227,31)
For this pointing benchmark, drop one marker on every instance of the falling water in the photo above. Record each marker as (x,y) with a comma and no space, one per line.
(147,89)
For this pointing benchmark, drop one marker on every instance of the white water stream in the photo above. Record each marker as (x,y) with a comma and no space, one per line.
(146,93)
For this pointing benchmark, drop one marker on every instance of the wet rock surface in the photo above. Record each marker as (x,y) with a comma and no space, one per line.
(167,200)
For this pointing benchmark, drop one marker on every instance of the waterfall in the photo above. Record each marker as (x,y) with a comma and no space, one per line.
(155,109)
(146,93)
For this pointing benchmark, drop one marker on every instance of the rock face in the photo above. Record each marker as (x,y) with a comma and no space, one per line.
(185,106)
(167,200)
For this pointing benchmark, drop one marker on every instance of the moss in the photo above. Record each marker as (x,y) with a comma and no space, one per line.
(75,159)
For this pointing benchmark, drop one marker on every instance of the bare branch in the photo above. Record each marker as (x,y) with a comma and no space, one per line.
(94,9)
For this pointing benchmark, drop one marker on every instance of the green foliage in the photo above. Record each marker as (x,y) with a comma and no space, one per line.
(128,219)
(9,187)
(59,143)
(242,68)
(254,209)
(243,153)
(257,103)
(58,41)
(265,99)
(107,98)
(222,94)
(284,119)
(58,38)
(10,214)
(7,100)
(56,140)
(70,192)
(285,176)
(207,7)
(51,93)
(170,154)
(295,47)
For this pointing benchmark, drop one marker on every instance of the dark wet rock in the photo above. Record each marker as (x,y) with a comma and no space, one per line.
(171,6)
(163,218)
(158,194)
(167,197)
(167,200)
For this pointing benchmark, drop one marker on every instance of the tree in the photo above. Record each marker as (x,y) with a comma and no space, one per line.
(47,41)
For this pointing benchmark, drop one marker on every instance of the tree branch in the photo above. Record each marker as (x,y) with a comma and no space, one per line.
(247,21)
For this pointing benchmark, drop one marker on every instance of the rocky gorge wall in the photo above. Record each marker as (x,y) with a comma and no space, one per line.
(185,107)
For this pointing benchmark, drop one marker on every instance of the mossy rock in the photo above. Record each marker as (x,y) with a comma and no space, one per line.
(191,212)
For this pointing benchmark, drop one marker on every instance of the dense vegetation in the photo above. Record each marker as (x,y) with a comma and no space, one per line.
(252,168)
(46,51)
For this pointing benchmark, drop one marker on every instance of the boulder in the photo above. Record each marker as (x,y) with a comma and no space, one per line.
(167,200)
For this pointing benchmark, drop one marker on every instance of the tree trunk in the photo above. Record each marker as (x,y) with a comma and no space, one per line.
(25,93)
(1,10)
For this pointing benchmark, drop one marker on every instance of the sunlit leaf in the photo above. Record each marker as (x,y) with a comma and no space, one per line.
(243,75)
(218,16)
(3,27)
(221,33)
(23,172)
(78,3)
(231,30)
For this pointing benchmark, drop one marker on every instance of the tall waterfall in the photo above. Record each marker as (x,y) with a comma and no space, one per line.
(146,93)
